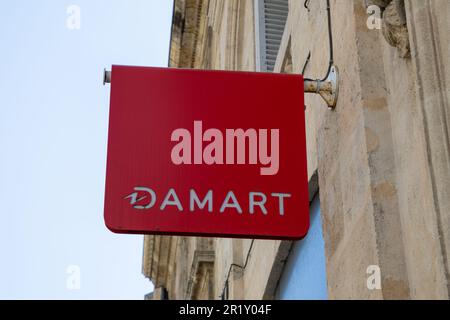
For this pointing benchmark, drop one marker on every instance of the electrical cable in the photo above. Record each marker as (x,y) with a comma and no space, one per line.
(330,41)
(306,4)
(237,266)
(306,62)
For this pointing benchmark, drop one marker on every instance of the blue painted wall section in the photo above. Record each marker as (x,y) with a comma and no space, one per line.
(304,276)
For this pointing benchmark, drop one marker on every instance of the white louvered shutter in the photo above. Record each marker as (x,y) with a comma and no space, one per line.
(270,18)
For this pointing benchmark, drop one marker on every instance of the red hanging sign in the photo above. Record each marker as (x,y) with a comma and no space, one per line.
(206,153)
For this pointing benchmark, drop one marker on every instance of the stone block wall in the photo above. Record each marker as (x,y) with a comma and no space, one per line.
(382,156)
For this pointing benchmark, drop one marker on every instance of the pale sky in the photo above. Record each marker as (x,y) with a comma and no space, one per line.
(53,137)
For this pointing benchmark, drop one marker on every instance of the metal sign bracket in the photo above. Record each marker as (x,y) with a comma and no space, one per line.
(328,89)
(106,76)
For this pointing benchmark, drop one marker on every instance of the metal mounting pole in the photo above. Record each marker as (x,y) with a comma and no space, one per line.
(106,76)
(328,89)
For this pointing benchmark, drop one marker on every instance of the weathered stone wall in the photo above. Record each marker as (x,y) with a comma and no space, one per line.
(423,150)
(382,156)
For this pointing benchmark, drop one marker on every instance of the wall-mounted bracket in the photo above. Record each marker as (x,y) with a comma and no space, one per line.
(328,88)
(106,76)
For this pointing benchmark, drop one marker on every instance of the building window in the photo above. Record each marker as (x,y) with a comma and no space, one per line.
(304,276)
(270,20)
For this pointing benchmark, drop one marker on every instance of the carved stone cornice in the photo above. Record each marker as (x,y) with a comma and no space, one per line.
(149,243)
(188,32)
(394,24)
(202,263)
(158,257)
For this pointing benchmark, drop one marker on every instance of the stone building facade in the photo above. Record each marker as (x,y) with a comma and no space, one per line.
(380,160)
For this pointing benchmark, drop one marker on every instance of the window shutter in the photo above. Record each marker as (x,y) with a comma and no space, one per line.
(270,18)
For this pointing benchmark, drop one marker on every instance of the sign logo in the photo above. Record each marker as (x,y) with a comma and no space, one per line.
(134,198)
(256,200)
(191,153)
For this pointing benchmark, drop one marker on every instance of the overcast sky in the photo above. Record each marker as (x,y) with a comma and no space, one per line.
(53,136)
